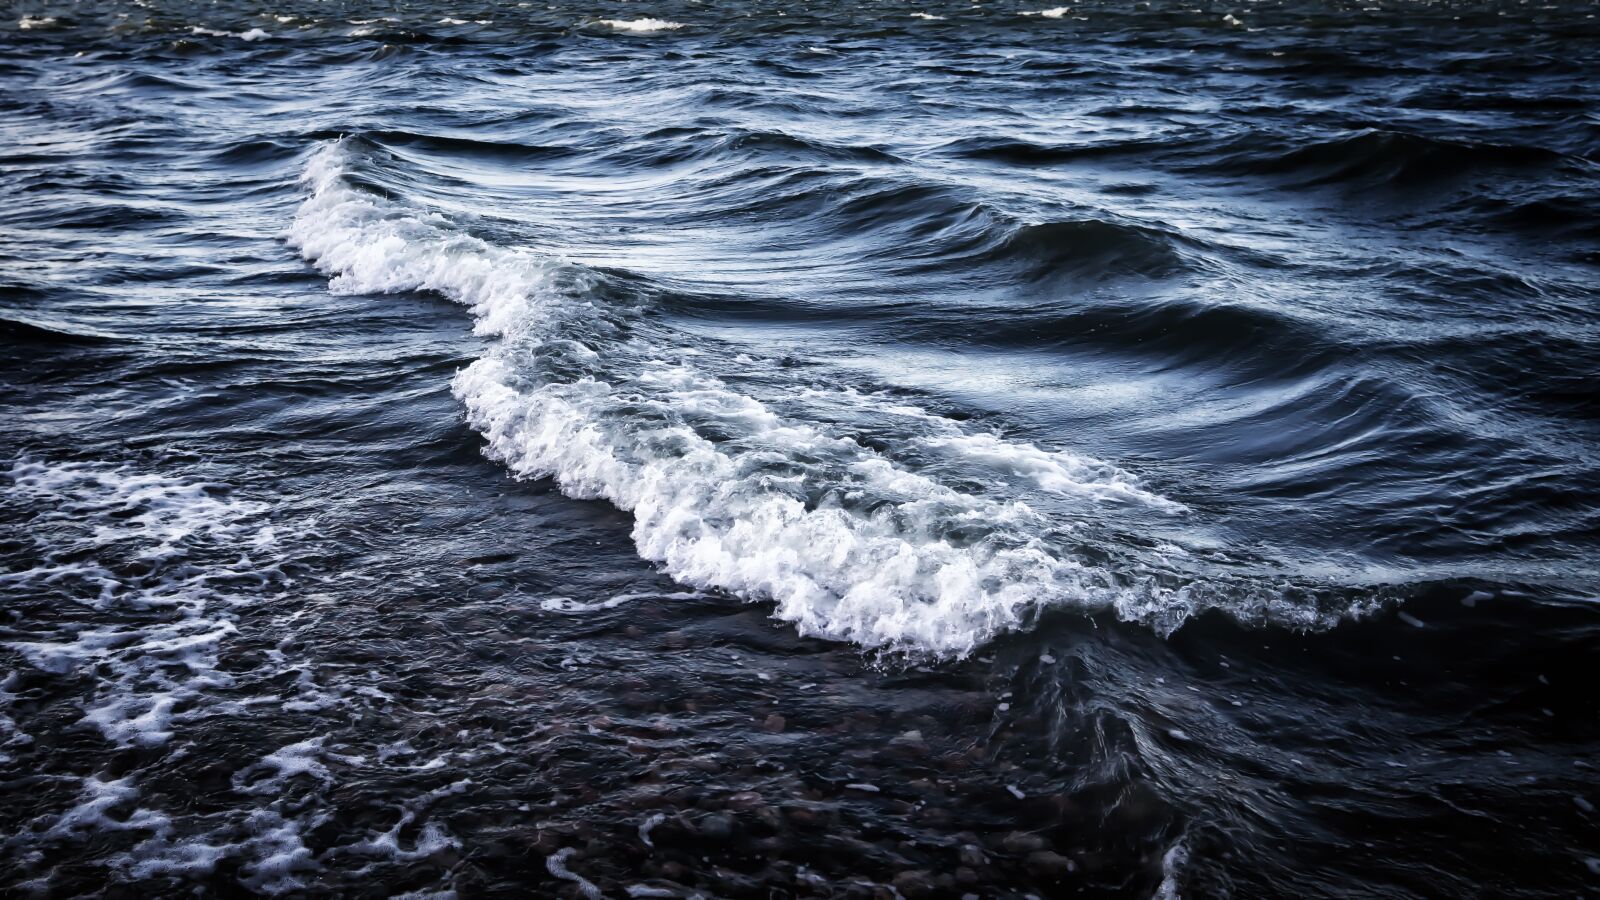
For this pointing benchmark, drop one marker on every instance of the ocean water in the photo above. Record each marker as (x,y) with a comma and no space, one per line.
(830,449)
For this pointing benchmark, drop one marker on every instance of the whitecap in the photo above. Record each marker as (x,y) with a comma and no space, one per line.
(642,26)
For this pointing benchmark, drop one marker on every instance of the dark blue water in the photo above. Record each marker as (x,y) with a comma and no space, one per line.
(845,450)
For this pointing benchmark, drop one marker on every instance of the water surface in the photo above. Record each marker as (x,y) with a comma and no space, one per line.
(830,450)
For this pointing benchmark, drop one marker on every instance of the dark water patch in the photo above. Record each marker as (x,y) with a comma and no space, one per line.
(1570,216)
(94,215)
(255,153)
(1553,371)
(1095,248)
(908,208)
(787,69)
(1457,99)
(1028,153)
(20,335)
(1253,338)
(501,152)
(765,144)
(1382,159)
(143,82)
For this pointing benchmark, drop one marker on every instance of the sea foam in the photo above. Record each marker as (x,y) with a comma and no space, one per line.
(118,539)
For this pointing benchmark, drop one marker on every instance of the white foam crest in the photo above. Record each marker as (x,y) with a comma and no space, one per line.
(369,246)
(849,544)
(641,26)
(252,35)
(1054,13)
(880,577)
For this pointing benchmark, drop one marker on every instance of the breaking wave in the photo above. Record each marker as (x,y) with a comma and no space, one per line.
(926,535)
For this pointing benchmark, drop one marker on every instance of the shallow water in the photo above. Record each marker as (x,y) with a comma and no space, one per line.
(752,450)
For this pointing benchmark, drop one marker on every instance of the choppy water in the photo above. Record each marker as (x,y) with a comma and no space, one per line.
(820,450)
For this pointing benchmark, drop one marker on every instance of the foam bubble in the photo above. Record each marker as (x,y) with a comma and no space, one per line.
(578,607)
(97,802)
(556,863)
(274,771)
(431,837)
